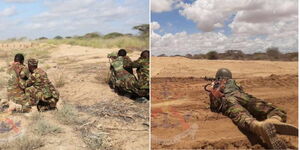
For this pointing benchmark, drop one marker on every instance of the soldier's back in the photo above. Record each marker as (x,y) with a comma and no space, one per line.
(43,83)
(14,90)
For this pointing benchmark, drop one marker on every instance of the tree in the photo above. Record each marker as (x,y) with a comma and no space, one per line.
(113,35)
(143,29)
(212,55)
(42,38)
(273,52)
(92,35)
(58,37)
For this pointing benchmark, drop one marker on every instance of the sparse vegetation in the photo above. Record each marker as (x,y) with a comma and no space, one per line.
(29,143)
(94,140)
(113,35)
(110,40)
(42,127)
(24,143)
(118,42)
(68,114)
(271,53)
(59,80)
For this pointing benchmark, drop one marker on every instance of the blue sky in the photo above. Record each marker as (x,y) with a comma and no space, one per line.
(36,18)
(173,22)
(199,26)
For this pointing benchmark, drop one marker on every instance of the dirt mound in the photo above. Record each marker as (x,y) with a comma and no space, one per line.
(273,80)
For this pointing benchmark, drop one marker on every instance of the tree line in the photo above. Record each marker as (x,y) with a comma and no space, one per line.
(271,53)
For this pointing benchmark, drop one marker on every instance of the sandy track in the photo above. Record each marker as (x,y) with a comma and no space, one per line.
(181,117)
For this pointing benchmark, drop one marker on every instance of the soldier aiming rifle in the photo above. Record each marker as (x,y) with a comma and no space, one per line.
(248,112)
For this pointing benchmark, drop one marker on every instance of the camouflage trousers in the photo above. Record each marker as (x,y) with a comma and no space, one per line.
(243,109)
(129,84)
(19,98)
(37,97)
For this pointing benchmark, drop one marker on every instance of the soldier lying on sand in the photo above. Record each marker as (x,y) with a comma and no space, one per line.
(248,112)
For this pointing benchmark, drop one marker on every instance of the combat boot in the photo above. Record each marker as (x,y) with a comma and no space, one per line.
(281,127)
(267,133)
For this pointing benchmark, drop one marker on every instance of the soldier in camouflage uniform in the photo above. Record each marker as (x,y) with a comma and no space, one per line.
(142,65)
(126,60)
(248,112)
(39,88)
(18,73)
(125,82)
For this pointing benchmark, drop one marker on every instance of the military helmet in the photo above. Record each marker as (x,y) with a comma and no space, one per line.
(223,73)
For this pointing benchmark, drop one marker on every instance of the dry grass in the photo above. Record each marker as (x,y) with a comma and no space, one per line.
(60,80)
(68,115)
(27,142)
(42,128)
(126,42)
(95,141)
(38,52)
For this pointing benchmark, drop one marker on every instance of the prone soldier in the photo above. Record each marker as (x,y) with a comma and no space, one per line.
(248,112)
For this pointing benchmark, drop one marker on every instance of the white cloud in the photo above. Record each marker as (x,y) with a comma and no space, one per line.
(163,5)
(155,26)
(19,1)
(10,11)
(211,14)
(183,43)
(255,25)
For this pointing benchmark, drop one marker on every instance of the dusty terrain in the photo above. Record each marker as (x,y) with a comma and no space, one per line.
(90,115)
(181,118)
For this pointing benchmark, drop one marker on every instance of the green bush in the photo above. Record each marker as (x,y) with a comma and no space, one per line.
(112,35)
(212,55)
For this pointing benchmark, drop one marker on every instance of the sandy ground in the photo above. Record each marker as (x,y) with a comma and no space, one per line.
(119,122)
(181,118)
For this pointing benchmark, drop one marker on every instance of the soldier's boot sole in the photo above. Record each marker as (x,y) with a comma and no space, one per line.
(285,129)
(269,136)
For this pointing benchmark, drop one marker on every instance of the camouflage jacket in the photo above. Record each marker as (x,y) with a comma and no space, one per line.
(119,69)
(142,71)
(232,92)
(18,73)
(40,81)
(128,68)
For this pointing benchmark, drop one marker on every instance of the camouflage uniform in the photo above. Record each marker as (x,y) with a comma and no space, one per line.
(243,108)
(15,89)
(127,60)
(142,71)
(125,81)
(41,91)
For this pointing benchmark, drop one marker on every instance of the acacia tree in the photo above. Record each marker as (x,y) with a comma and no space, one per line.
(143,29)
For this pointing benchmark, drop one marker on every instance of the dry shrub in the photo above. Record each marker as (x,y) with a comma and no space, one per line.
(27,142)
(68,115)
(59,80)
(42,127)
